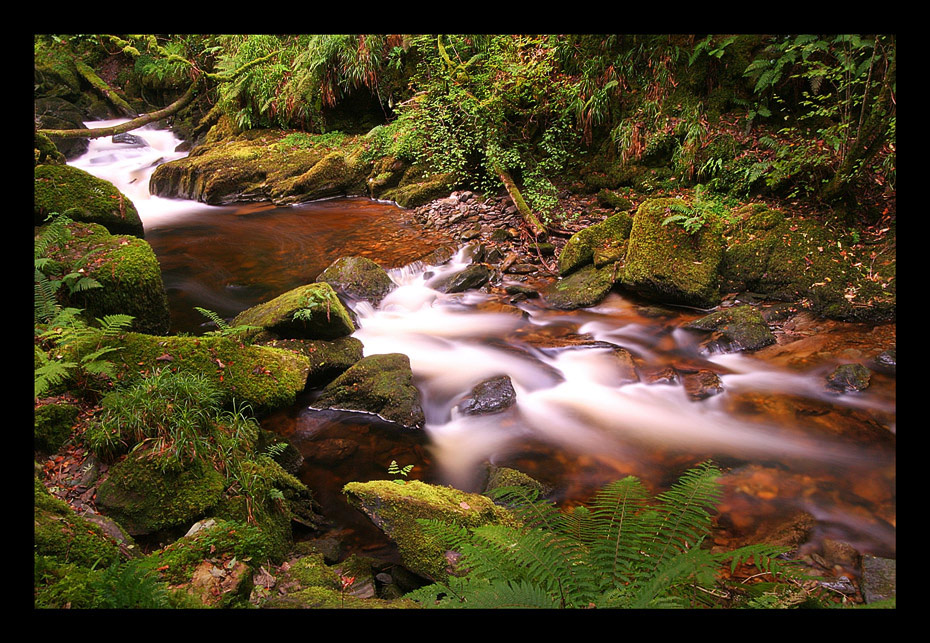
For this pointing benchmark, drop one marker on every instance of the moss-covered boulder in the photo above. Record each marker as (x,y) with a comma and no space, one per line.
(62,534)
(581,248)
(380,384)
(741,328)
(263,165)
(53,424)
(46,152)
(584,287)
(328,358)
(145,499)
(846,378)
(666,263)
(80,196)
(358,278)
(417,187)
(313,311)
(264,378)
(395,509)
(793,258)
(126,268)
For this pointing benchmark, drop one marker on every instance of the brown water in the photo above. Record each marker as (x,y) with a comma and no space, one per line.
(789,447)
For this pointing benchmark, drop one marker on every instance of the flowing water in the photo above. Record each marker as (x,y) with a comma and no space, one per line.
(582,418)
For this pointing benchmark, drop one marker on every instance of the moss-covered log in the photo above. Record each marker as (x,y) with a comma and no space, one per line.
(531,220)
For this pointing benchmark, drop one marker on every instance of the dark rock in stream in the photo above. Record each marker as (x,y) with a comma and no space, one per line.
(702,384)
(490,396)
(474,276)
(741,328)
(129,139)
(885,362)
(849,377)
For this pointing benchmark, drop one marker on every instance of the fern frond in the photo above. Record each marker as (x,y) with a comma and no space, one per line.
(113,324)
(525,503)
(212,316)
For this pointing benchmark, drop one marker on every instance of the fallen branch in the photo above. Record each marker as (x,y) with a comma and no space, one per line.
(533,223)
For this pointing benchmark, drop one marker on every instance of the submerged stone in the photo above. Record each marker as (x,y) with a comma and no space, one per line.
(849,377)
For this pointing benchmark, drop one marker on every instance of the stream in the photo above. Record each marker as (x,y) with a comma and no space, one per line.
(582,418)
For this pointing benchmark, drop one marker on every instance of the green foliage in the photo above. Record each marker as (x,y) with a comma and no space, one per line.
(312,302)
(705,209)
(624,549)
(223,329)
(395,470)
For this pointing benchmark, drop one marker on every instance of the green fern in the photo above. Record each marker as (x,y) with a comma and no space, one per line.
(625,549)
(223,327)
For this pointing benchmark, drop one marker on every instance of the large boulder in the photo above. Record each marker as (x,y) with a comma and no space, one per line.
(380,384)
(125,266)
(80,196)
(396,508)
(328,358)
(358,278)
(666,263)
(262,165)
(418,187)
(57,113)
(312,311)
(794,258)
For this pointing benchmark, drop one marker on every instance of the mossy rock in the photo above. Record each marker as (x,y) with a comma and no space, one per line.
(846,378)
(793,259)
(262,377)
(416,189)
(396,508)
(260,165)
(321,315)
(613,200)
(53,423)
(328,358)
(80,196)
(667,264)
(126,268)
(62,534)
(741,328)
(505,477)
(582,246)
(380,384)
(145,499)
(46,152)
(584,287)
(358,278)
(386,173)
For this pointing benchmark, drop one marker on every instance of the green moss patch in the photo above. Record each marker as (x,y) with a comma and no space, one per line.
(83,197)
(396,508)
(599,238)
(328,358)
(585,287)
(313,311)
(741,328)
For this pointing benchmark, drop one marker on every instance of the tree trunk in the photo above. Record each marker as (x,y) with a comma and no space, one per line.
(135,123)
(533,223)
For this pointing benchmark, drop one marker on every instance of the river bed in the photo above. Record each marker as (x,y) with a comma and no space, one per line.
(790,446)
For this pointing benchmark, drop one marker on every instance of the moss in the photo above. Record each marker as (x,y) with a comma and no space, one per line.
(322,315)
(502,477)
(416,189)
(312,571)
(46,152)
(221,539)
(328,358)
(323,598)
(265,378)
(395,509)
(53,424)
(145,499)
(667,264)
(603,236)
(63,535)
(585,287)
(83,197)
(128,271)
(381,384)
(358,278)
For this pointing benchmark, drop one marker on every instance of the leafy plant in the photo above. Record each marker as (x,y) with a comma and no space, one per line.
(395,470)
(223,329)
(622,550)
(704,209)
(313,301)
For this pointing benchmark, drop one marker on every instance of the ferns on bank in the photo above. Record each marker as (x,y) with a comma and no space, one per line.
(623,550)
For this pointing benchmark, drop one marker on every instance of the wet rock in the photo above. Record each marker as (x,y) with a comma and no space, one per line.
(885,362)
(358,278)
(849,377)
(307,312)
(500,477)
(879,578)
(585,287)
(129,139)
(741,328)
(837,552)
(380,384)
(328,358)
(667,375)
(332,450)
(493,395)
(602,237)
(702,384)
(474,276)
(518,289)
